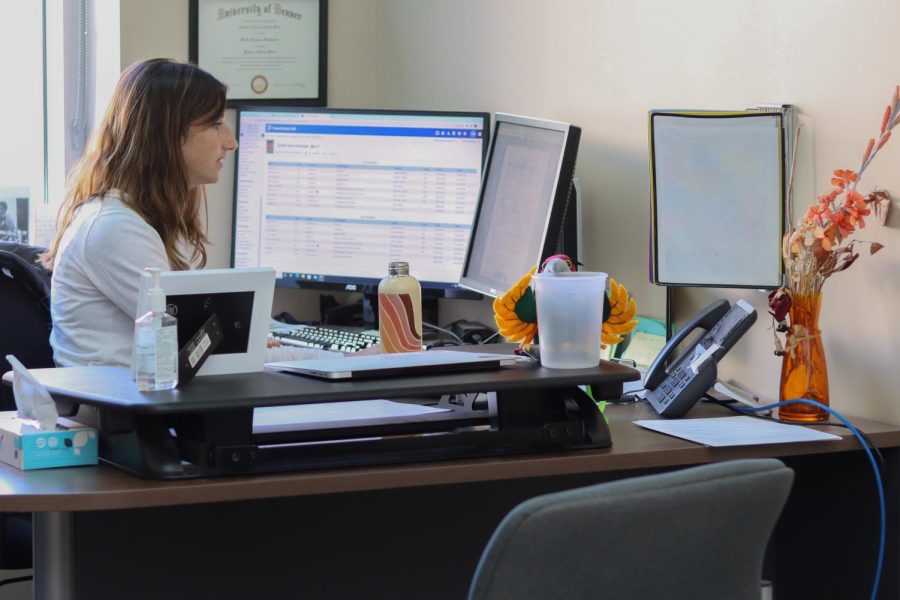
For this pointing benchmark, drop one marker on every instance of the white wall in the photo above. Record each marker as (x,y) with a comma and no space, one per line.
(603,64)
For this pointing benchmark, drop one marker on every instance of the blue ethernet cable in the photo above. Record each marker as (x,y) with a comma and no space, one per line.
(878,482)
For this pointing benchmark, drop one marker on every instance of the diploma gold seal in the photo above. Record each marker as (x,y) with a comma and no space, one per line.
(259,84)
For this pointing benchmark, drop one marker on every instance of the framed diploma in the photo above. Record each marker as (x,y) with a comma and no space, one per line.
(263,51)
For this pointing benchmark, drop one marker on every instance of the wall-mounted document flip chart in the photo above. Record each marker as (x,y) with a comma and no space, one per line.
(717,194)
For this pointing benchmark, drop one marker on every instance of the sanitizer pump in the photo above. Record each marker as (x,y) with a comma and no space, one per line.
(155,343)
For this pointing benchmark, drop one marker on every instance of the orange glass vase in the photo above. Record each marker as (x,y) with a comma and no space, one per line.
(804,373)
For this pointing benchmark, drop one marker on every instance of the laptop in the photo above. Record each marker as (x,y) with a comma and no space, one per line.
(393,365)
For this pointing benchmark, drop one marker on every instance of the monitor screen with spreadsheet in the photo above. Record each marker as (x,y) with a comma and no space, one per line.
(525,212)
(328,197)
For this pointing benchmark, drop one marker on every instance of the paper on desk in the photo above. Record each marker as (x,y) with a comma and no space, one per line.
(329,415)
(735,431)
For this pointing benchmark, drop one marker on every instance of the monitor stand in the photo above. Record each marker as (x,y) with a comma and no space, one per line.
(364,313)
(332,313)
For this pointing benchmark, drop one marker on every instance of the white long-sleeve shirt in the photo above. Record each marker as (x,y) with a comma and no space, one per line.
(96,279)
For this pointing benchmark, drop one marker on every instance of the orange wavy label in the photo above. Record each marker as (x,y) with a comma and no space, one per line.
(397,324)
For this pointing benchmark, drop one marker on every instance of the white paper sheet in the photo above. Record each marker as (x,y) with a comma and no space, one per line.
(328,415)
(735,431)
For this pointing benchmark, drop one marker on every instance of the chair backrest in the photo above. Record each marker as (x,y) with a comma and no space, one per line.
(696,533)
(25,317)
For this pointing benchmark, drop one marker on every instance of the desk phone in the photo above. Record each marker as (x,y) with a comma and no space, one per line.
(673,390)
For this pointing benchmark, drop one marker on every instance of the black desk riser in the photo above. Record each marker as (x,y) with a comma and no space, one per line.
(206,428)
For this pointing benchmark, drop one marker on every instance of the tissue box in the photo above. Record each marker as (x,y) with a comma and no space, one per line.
(24,445)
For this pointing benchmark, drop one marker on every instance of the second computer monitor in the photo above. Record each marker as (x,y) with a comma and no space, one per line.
(329,197)
(524,202)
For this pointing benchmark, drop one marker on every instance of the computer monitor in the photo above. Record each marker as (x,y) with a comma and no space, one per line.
(524,202)
(240,298)
(328,197)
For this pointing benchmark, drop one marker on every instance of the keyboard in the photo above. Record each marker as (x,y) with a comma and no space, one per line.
(327,338)
(286,353)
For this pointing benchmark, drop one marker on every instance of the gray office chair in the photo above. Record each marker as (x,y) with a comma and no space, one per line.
(699,533)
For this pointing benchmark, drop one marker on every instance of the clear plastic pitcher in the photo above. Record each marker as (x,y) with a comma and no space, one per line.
(570,318)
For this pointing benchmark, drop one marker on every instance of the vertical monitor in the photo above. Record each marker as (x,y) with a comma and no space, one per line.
(523,201)
(329,197)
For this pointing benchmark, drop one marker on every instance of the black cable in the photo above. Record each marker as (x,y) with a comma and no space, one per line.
(627,398)
(12,580)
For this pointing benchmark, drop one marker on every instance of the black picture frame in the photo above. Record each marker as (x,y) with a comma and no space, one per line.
(246,99)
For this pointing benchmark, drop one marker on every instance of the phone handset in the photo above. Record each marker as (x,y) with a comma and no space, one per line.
(674,390)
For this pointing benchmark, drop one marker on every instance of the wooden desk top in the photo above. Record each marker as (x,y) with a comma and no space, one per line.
(105,488)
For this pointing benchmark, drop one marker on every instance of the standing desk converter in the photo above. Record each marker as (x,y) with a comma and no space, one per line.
(206,429)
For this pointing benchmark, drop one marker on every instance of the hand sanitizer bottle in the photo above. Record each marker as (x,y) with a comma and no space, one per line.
(156,343)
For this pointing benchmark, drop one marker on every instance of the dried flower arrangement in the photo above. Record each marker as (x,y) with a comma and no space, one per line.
(821,243)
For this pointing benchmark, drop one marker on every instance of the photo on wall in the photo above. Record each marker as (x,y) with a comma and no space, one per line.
(14,214)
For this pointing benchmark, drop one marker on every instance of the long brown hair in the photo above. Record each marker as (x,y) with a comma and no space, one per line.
(137,150)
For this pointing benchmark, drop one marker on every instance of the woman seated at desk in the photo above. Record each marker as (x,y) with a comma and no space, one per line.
(134,200)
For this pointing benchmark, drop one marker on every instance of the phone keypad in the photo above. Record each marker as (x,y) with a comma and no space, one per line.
(671,387)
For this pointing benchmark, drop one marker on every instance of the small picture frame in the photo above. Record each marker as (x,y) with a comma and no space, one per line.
(265,52)
(14,214)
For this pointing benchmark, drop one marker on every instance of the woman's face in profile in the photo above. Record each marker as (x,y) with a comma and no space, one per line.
(204,149)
